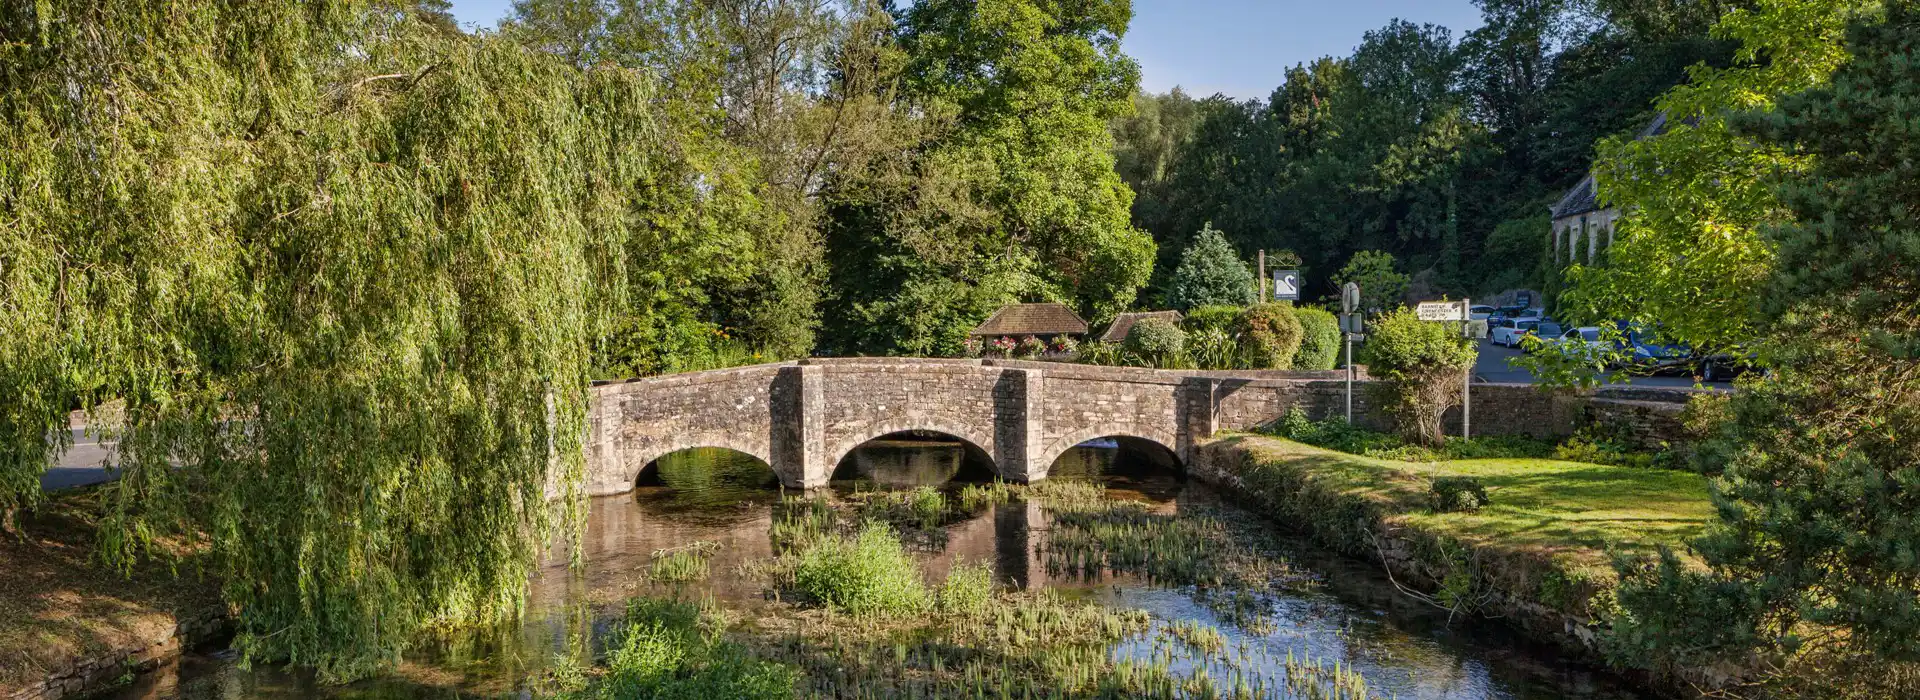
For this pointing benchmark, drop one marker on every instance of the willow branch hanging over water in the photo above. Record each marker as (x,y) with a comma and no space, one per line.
(340,267)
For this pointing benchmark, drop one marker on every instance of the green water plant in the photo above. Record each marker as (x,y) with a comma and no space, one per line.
(967,591)
(869,573)
(681,564)
(672,649)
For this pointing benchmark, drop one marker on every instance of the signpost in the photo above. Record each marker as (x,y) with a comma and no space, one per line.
(1455,311)
(1350,325)
(1286,285)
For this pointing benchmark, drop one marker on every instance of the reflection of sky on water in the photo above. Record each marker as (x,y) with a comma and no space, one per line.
(1403,649)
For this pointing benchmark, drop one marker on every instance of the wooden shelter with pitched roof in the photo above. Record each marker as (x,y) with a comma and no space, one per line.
(1041,320)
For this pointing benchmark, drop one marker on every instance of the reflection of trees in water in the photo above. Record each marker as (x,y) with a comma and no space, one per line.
(708,476)
(907,461)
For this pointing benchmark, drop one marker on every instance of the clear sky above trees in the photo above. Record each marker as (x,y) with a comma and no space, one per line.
(1239,47)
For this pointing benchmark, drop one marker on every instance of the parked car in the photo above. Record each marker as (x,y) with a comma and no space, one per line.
(1480,312)
(1584,335)
(1647,353)
(1724,367)
(1508,331)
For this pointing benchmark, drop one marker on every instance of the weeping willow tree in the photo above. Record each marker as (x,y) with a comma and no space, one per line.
(342,270)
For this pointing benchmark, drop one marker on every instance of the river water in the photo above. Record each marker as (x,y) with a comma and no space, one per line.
(1350,615)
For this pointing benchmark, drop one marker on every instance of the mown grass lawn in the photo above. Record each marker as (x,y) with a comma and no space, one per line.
(1576,513)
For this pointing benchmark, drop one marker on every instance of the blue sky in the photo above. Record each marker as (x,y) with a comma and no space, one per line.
(1239,47)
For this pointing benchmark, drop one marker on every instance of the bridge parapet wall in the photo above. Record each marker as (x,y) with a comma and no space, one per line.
(803,417)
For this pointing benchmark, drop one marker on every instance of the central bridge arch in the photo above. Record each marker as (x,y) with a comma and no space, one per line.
(804,417)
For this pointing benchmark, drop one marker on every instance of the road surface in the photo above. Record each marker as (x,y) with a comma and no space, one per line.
(81,465)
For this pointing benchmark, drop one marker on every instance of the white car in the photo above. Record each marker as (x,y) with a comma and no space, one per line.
(1480,312)
(1508,331)
(1584,335)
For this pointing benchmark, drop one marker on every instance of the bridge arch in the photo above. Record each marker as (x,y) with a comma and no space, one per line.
(636,462)
(983,441)
(1059,446)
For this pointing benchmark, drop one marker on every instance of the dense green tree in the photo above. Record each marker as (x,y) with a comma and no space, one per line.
(1211,273)
(1812,561)
(1423,363)
(1688,254)
(1008,192)
(1381,286)
(344,271)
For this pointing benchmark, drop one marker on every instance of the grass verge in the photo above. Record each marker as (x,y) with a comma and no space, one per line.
(1547,535)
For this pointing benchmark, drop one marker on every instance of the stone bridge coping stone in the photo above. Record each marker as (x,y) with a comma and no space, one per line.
(1062,370)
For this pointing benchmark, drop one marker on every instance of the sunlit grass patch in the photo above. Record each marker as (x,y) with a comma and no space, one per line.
(1548,533)
(865,574)
(670,649)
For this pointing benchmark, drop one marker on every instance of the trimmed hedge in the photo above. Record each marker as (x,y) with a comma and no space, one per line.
(1156,340)
(1319,339)
(1269,336)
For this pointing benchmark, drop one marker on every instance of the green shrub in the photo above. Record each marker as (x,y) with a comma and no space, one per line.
(660,651)
(1216,316)
(1212,348)
(1456,494)
(1319,339)
(968,589)
(868,574)
(1338,435)
(1424,362)
(1269,336)
(1156,341)
(1102,353)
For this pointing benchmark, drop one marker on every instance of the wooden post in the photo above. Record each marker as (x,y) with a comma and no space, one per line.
(1263,275)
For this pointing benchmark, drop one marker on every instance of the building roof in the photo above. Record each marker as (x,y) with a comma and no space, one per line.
(1032,319)
(1117,331)
(1583,197)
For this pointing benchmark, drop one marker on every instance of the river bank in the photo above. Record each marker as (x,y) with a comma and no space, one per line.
(1537,557)
(1149,583)
(69,625)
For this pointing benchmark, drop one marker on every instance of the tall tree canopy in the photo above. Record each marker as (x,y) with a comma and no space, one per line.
(1811,563)
(1007,192)
(1420,143)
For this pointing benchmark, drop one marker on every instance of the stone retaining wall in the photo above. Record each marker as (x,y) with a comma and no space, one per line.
(86,674)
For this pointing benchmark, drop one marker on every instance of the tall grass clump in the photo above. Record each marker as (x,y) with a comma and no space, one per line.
(681,564)
(968,590)
(1213,348)
(867,574)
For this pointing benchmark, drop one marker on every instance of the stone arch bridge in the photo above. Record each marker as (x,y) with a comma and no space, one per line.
(803,417)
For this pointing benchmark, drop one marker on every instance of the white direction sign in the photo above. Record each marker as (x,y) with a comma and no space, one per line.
(1286,285)
(1442,311)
